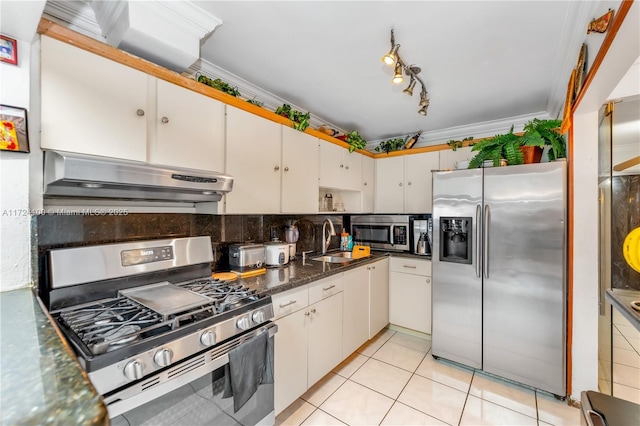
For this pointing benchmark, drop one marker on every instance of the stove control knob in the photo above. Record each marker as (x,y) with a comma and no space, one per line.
(258,317)
(163,357)
(243,323)
(134,370)
(208,338)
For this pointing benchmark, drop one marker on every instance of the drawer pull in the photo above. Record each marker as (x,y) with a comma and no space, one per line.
(328,288)
(409,266)
(313,311)
(287,304)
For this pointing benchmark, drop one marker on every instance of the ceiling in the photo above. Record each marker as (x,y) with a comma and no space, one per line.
(486,64)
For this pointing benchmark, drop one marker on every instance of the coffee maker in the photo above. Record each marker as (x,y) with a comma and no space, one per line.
(421,235)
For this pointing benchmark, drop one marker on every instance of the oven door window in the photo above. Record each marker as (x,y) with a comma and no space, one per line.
(201,402)
(372,233)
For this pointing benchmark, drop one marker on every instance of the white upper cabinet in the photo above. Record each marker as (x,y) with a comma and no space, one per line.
(403,183)
(368,183)
(253,159)
(389,188)
(339,168)
(299,172)
(92,105)
(275,168)
(418,192)
(190,129)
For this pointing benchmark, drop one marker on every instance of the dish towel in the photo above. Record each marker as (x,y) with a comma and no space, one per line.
(249,366)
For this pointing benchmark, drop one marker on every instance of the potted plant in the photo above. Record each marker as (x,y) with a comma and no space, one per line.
(542,133)
(218,84)
(300,120)
(497,148)
(355,141)
(390,145)
(454,145)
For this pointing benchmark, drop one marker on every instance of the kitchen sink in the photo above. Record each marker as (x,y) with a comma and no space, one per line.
(341,257)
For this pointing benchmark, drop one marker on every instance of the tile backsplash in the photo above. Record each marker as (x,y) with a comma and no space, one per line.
(59,231)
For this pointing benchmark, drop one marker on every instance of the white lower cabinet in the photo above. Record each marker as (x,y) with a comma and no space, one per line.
(308,343)
(355,330)
(366,304)
(410,293)
(378,296)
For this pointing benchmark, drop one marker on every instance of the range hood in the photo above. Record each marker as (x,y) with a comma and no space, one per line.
(76,175)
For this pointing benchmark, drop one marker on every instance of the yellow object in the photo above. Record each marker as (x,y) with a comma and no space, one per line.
(360,251)
(224,276)
(631,249)
(252,273)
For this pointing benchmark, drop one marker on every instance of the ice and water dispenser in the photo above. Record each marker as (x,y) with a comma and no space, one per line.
(455,239)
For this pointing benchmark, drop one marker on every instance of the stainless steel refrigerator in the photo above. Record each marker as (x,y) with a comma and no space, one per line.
(499,271)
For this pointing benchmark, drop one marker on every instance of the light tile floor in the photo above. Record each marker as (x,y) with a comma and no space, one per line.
(626,359)
(394,380)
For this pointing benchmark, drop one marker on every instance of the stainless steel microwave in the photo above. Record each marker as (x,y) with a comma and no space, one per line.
(383,232)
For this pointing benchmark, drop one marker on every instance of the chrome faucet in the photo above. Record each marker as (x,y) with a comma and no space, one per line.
(332,232)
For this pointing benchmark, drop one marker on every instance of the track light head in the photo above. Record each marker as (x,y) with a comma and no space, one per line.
(409,89)
(391,57)
(398,78)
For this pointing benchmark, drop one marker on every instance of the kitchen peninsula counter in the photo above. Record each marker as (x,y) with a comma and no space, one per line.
(40,378)
(621,300)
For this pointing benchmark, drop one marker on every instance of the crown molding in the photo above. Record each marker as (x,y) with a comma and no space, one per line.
(75,15)
(476,130)
(578,14)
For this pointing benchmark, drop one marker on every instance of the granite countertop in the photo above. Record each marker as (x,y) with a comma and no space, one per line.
(621,300)
(298,273)
(41,381)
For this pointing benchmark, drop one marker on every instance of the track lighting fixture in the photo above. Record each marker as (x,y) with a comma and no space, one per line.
(393,59)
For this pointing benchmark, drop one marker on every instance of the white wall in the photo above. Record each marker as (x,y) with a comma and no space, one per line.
(15,218)
(624,50)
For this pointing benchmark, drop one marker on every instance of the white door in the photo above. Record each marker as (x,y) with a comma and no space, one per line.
(253,159)
(389,188)
(368,182)
(355,293)
(418,192)
(290,358)
(408,301)
(352,170)
(331,165)
(190,129)
(91,105)
(378,296)
(325,337)
(299,172)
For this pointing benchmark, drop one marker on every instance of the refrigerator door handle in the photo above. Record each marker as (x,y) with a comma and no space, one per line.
(487,220)
(478,241)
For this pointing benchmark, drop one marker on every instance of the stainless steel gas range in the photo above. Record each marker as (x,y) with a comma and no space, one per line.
(157,334)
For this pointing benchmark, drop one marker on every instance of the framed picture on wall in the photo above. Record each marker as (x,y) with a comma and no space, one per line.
(8,50)
(13,129)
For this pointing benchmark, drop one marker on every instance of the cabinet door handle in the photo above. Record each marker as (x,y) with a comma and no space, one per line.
(368,268)
(329,288)
(428,280)
(307,313)
(140,112)
(286,169)
(164,120)
(365,184)
(276,168)
(409,266)
(291,302)
(400,184)
(342,166)
(373,267)
(409,183)
(313,311)
(347,167)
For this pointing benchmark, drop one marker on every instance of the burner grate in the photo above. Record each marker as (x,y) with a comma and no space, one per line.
(225,294)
